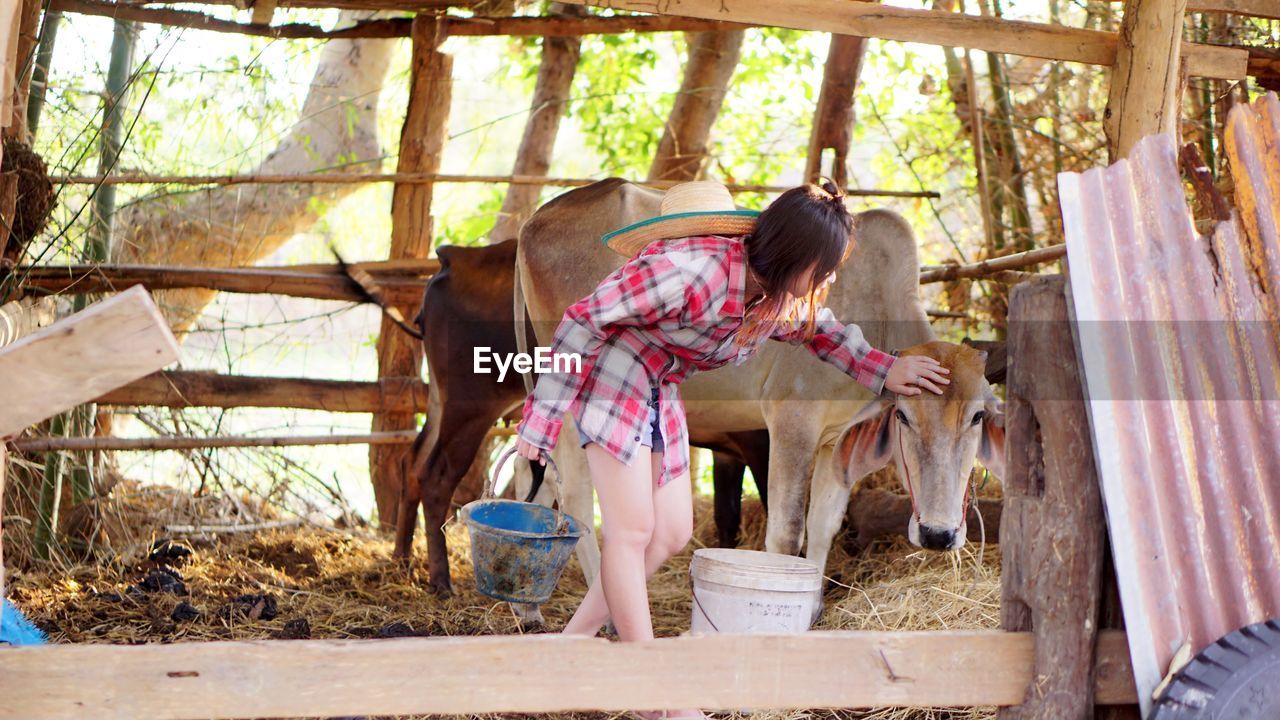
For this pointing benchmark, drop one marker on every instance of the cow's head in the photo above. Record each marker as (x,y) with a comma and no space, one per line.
(933,439)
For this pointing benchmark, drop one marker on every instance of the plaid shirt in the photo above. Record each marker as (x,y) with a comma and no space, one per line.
(674,308)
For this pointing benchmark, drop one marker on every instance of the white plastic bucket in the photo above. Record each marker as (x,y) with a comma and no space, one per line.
(752,592)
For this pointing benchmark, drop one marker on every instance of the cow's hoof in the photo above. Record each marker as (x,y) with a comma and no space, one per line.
(442,590)
(529,615)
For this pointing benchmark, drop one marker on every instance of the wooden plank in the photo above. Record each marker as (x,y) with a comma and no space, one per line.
(399,27)
(1052,529)
(536,673)
(422,140)
(4,469)
(1143,98)
(320,285)
(931,27)
(79,358)
(180,389)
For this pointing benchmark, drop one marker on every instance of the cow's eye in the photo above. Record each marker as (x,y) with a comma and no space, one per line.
(902,418)
(977,417)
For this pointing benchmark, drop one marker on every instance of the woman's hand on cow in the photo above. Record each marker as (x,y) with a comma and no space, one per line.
(910,373)
(528,450)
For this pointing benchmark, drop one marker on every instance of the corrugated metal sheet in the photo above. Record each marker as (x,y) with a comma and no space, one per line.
(1182,370)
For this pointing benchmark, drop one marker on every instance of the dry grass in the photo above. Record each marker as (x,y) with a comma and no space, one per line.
(329,583)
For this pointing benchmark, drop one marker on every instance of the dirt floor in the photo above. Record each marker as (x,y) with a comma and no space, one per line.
(310,582)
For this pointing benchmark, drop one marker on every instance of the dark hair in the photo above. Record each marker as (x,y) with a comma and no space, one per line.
(806,226)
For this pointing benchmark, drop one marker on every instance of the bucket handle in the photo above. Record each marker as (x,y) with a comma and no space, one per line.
(562,522)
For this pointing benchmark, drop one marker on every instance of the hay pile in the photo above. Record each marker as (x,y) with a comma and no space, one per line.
(310,582)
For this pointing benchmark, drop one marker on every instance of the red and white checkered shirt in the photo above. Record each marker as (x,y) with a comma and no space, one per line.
(672,309)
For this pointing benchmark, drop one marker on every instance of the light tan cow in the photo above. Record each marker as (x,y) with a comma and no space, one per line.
(806,404)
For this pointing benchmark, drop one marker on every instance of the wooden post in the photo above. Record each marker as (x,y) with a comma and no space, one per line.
(834,117)
(28,29)
(421,146)
(713,56)
(550,95)
(1143,99)
(1052,526)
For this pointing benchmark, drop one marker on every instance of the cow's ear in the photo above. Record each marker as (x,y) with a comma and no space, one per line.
(863,446)
(991,447)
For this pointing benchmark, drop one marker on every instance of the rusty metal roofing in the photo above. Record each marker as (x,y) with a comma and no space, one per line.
(1181,358)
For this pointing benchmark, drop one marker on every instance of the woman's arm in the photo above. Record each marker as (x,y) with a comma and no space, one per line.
(842,345)
(641,292)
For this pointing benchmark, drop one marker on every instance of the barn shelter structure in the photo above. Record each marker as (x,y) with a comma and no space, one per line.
(1051,660)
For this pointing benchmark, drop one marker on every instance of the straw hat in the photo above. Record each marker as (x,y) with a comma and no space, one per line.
(692,208)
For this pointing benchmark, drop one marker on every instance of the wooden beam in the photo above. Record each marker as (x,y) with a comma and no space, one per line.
(1143,98)
(1052,533)
(1255,8)
(181,389)
(421,6)
(193,443)
(323,285)
(399,27)
(81,357)
(534,673)
(931,27)
(419,178)
(984,268)
(400,437)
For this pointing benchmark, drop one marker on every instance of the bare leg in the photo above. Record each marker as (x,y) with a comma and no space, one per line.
(627,523)
(672,529)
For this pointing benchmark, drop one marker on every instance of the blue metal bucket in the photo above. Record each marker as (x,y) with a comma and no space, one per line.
(518,549)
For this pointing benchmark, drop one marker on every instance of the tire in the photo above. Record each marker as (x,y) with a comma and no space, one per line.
(1236,678)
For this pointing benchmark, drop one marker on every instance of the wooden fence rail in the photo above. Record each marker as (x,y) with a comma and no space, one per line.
(307,282)
(538,673)
(179,389)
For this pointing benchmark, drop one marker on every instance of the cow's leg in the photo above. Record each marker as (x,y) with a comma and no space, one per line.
(411,498)
(793,438)
(579,497)
(727,473)
(828,502)
(448,463)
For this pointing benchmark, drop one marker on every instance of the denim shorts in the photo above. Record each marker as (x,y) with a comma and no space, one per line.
(652,439)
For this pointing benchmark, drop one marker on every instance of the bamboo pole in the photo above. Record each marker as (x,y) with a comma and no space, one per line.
(988,267)
(421,178)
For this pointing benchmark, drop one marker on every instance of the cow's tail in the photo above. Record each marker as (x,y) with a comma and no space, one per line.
(365,286)
(522,345)
(521,318)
